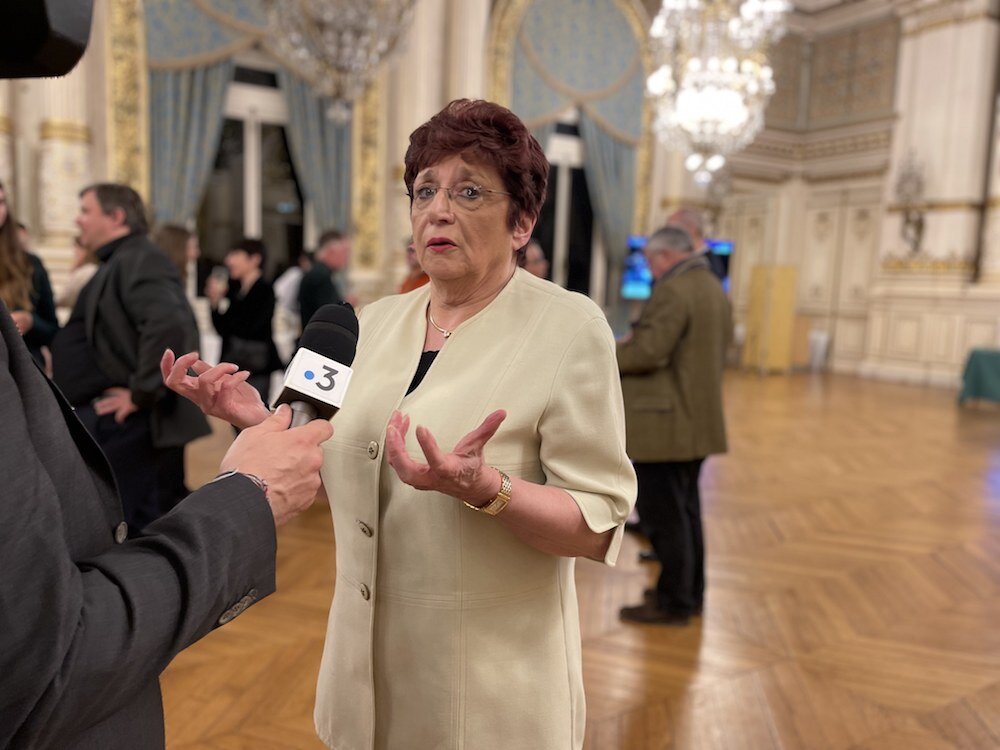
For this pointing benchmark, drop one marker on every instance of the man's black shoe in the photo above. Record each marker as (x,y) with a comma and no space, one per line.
(649,595)
(648,613)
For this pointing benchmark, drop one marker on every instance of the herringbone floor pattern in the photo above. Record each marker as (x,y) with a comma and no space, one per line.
(853,595)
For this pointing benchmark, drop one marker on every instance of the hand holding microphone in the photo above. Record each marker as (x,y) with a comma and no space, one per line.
(282,449)
(315,382)
(287,460)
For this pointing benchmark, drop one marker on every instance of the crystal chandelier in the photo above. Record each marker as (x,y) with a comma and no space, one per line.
(336,44)
(711,80)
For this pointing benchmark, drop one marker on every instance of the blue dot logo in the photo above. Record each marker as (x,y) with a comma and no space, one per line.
(310,374)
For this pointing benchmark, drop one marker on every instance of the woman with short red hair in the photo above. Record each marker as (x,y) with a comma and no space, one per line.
(454,621)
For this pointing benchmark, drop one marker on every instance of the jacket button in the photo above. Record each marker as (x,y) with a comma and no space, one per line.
(372,450)
(121,533)
(365,528)
(366,593)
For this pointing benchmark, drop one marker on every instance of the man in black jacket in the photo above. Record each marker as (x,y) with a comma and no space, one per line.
(324,283)
(106,359)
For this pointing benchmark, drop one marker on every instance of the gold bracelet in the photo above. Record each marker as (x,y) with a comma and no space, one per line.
(499,502)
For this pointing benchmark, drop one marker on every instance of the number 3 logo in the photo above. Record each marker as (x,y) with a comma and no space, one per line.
(329,383)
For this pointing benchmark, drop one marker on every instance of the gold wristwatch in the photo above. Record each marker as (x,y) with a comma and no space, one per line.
(498,503)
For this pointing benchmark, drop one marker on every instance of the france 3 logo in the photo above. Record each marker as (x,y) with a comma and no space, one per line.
(318,377)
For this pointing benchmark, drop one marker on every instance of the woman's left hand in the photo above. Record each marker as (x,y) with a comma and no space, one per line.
(220,391)
(461,473)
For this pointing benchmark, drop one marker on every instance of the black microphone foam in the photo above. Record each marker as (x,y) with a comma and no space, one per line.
(332,333)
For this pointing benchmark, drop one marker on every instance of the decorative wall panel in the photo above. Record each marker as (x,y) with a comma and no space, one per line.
(820,254)
(787,59)
(853,74)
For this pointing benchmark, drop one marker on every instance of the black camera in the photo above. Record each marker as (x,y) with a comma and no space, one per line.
(40,38)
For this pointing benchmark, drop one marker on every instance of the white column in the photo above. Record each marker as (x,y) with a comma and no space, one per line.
(64,154)
(468,22)
(421,68)
(416,84)
(252,179)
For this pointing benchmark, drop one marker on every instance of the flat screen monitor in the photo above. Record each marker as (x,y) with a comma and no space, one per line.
(637,281)
(720,254)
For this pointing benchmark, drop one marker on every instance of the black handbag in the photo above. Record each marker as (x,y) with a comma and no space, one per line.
(250,355)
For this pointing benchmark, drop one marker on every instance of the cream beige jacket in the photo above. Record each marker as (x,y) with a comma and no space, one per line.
(446,631)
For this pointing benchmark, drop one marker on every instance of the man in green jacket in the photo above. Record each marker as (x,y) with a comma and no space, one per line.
(671,367)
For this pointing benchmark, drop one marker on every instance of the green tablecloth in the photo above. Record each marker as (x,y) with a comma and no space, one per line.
(981,378)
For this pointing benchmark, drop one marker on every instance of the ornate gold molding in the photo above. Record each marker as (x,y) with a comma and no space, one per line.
(922,27)
(506,19)
(69,131)
(932,265)
(868,174)
(932,206)
(127,126)
(800,148)
(503,34)
(6,125)
(769,178)
(677,201)
(367,133)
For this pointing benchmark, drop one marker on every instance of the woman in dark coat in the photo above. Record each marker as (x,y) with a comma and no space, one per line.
(25,286)
(242,314)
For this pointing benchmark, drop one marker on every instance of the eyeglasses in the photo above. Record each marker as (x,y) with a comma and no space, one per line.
(466,195)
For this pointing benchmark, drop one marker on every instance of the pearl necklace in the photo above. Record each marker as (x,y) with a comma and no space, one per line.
(444,332)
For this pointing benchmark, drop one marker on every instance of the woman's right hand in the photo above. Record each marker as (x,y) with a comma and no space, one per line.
(462,473)
(220,391)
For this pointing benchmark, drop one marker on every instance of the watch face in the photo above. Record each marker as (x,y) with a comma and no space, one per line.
(496,506)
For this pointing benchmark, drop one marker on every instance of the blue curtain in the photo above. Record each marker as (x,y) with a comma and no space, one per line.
(186,114)
(610,177)
(321,153)
(542,133)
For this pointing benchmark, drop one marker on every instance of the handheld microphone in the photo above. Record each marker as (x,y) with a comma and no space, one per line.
(317,378)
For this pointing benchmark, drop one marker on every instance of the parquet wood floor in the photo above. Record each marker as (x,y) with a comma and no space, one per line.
(853,594)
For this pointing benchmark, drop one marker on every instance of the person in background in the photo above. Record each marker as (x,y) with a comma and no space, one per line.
(323,283)
(84,267)
(106,359)
(25,287)
(455,620)
(244,321)
(415,276)
(671,370)
(690,220)
(535,261)
(286,286)
(181,246)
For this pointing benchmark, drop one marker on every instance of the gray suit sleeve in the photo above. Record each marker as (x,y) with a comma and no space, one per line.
(81,633)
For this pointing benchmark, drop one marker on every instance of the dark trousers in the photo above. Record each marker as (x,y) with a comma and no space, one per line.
(150,480)
(670,508)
